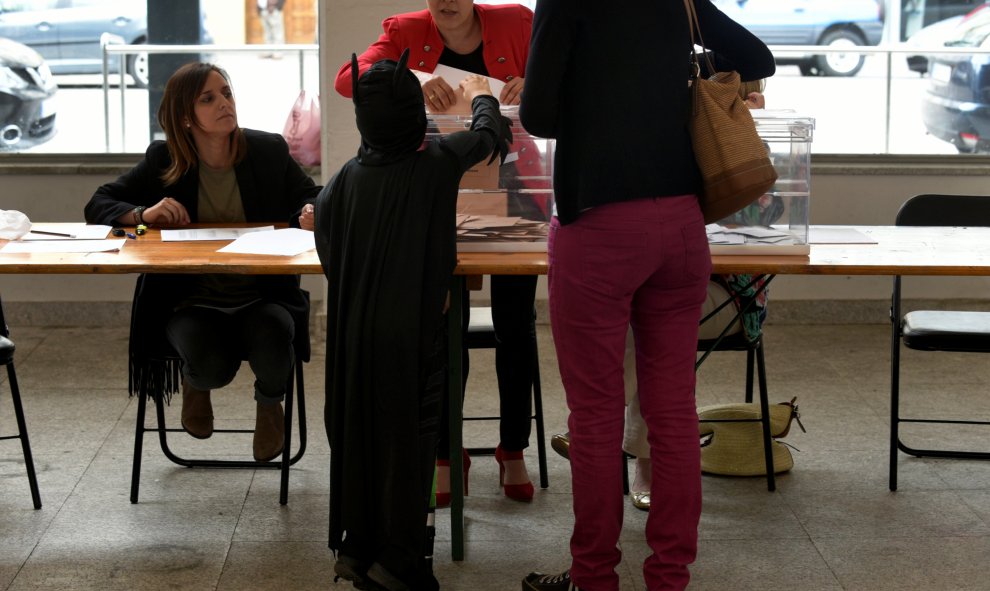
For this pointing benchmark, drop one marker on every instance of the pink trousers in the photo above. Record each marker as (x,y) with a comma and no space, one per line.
(643,263)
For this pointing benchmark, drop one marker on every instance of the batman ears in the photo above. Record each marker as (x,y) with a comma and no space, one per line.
(400,68)
(355,74)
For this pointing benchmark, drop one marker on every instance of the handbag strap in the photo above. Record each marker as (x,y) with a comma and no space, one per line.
(695,26)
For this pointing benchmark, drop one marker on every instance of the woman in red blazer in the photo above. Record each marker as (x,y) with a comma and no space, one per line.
(491,40)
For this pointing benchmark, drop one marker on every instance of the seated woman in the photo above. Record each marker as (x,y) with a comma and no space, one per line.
(210,170)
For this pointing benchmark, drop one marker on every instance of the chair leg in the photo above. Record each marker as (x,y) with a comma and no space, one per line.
(541,442)
(625,473)
(895,375)
(139,431)
(15,396)
(283,488)
(297,401)
(750,364)
(765,418)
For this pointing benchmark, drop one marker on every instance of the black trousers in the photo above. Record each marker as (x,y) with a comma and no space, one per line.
(212,343)
(514,317)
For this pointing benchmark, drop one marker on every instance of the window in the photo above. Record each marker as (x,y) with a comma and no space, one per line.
(69,35)
(853,52)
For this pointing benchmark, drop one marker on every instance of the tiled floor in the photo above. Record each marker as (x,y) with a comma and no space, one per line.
(832,524)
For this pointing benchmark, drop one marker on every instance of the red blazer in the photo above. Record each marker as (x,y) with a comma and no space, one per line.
(505,30)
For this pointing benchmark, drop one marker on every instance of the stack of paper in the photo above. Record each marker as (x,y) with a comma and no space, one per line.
(748,235)
(490,228)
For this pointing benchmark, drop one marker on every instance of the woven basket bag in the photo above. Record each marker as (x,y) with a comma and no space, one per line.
(734,162)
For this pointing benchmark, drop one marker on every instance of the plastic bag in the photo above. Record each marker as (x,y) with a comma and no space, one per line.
(13,224)
(302,129)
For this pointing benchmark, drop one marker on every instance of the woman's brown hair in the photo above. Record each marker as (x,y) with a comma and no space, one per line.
(181,92)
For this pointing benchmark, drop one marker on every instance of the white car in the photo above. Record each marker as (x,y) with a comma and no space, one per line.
(930,37)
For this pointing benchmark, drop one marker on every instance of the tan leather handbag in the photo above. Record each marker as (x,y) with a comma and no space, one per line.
(734,162)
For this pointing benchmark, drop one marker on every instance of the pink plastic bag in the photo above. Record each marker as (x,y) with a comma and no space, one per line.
(302,129)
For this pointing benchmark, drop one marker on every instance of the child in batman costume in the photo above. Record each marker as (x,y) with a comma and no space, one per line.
(385,235)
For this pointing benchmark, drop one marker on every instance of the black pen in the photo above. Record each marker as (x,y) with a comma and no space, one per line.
(52,233)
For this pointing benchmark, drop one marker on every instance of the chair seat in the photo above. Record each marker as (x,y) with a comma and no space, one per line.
(6,350)
(481,329)
(933,330)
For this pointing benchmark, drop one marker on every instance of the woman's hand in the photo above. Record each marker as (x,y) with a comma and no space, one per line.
(512,92)
(307,221)
(475,85)
(438,95)
(756,100)
(167,212)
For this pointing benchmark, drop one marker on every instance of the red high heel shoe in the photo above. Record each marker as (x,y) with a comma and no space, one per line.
(519,492)
(443,498)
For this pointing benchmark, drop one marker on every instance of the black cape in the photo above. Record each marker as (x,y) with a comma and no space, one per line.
(385,235)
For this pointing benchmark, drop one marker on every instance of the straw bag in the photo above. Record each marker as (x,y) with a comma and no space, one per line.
(734,163)
(736,448)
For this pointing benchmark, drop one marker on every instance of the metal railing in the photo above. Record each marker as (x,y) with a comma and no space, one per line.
(122,51)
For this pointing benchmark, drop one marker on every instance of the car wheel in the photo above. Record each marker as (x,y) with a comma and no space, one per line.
(840,64)
(137,67)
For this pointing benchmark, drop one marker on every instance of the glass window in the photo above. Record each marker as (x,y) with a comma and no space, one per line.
(51,68)
(866,70)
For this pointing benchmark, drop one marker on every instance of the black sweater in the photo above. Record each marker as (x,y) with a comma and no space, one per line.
(609,82)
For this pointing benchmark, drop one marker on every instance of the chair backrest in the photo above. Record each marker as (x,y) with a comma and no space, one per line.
(945,210)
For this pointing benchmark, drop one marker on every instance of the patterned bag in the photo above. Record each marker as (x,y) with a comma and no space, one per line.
(735,166)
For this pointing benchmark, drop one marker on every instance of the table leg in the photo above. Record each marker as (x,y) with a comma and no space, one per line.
(455,412)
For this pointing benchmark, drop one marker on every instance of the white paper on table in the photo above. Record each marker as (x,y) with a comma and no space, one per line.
(453,77)
(192,234)
(80,231)
(723,238)
(36,246)
(286,242)
(823,235)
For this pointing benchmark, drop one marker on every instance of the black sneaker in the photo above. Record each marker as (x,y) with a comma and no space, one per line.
(541,582)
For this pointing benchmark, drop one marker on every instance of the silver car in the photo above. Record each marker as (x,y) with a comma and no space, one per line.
(27,97)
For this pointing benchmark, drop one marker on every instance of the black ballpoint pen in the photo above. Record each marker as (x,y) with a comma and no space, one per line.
(52,233)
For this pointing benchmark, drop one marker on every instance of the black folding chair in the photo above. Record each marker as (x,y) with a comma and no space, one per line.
(7,358)
(934,330)
(294,390)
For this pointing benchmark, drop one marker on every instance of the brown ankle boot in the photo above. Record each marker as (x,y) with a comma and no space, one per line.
(197,412)
(269,432)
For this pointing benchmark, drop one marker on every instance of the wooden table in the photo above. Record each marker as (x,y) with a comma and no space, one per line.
(899,251)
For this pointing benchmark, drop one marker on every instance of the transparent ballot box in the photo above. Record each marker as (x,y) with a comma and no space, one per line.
(503,207)
(777,223)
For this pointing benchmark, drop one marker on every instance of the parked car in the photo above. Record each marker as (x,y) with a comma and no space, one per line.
(933,35)
(956,106)
(831,23)
(69,33)
(27,97)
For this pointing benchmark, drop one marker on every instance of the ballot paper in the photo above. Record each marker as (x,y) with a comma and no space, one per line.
(749,235)
(492,228)
(453,77)
(191,234)
(285,242)
(39,246)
